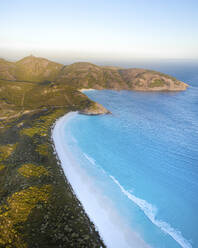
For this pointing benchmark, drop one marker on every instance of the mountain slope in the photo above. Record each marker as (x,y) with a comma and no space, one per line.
(87,75)
(17,97)
(34,69)
(147,80)
(7,70)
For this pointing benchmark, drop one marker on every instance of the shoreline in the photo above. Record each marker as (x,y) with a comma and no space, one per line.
(84,90)
(112,229)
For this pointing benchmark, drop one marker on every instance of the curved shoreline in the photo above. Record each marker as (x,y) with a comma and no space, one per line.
(112,229)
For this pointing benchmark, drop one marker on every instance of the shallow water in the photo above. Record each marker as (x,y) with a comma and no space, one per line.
(141,162)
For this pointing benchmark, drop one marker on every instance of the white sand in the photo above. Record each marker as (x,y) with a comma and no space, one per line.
(84,90)
(114,232)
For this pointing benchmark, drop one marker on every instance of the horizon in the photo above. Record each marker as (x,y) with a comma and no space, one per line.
(99,31)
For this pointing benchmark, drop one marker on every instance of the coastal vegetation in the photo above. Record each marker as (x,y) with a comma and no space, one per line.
(31,170)
(157,83)
(37,205)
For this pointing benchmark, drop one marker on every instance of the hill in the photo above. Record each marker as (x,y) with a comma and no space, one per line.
(87,75)
(7,70)
(34,69)
(31,69)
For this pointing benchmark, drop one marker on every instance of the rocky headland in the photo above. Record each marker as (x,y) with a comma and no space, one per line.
(37,205)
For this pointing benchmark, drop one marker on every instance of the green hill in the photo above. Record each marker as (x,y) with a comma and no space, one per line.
(34,69)
(87,75)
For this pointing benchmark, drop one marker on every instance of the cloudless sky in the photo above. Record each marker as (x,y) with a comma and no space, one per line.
(86,29)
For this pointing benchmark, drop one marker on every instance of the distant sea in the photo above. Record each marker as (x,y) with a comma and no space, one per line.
(136,171)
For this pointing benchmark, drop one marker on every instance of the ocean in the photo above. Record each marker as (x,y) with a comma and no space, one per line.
(136,171)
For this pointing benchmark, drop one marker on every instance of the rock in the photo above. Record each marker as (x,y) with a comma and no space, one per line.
(95,109)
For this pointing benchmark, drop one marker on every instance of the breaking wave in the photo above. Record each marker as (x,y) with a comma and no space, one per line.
(151,211)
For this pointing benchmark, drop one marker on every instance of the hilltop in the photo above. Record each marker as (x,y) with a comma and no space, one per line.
(31,69)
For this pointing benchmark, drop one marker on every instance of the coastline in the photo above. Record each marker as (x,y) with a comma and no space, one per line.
(112,229)
(84,90)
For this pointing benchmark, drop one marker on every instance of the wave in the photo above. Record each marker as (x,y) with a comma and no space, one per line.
(151,211)
(91,160)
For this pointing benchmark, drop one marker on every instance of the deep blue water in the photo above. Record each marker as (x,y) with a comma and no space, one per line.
(144,157)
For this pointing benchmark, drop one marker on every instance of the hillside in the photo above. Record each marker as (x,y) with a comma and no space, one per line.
(37,69)
(18,97)
(37,205)
(147,80)
(31,69)
(7,70)
(87,75)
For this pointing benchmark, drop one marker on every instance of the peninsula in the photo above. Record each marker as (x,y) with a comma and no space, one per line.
(37,205)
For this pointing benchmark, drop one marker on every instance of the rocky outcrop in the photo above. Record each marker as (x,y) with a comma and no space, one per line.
(95,109)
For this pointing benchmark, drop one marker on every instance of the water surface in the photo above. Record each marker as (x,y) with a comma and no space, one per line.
(144,160)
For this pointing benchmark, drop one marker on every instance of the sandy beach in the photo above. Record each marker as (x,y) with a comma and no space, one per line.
(112,229)
(84,90)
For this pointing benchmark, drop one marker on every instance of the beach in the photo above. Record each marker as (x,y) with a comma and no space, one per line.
(84,90)
(112,229)
(123,167)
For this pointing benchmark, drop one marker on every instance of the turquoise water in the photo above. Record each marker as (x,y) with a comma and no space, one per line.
(144,158)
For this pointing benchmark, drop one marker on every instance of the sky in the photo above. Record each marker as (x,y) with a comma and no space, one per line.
(92,30)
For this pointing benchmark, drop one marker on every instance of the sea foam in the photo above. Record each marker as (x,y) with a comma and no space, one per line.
(91,160)
(151,211)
